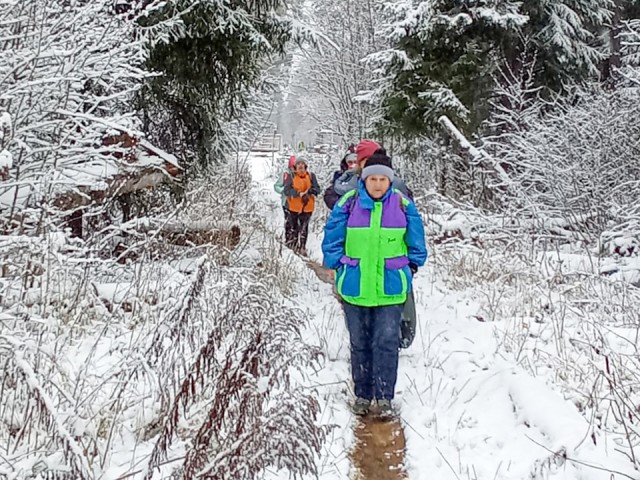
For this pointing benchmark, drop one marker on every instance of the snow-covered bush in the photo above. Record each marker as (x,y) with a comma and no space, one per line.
(68,72)
(574,169)
(170,358)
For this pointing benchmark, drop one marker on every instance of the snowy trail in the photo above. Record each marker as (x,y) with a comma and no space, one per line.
(468,411)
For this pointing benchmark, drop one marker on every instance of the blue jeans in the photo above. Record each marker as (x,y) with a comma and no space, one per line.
(374,349)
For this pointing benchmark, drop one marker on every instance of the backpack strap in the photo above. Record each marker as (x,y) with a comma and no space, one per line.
(401,198)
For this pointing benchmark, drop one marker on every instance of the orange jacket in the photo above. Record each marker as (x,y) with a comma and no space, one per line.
(300,183)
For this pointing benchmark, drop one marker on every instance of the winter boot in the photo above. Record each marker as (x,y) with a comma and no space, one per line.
(384,408)
(361,406)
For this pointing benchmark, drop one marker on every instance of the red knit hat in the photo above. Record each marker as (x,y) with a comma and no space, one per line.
(366,148)
(292,161)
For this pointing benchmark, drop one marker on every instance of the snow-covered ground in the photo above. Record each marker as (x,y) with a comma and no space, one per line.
(468,410)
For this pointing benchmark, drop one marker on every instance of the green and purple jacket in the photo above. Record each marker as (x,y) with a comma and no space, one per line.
(371,244)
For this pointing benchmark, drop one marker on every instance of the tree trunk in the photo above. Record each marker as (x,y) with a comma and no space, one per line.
(614,61)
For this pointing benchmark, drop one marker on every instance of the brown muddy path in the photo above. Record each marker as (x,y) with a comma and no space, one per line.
(379,446)
(378,451)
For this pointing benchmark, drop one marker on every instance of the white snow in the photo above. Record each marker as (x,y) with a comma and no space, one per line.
(6,160)
(167,157)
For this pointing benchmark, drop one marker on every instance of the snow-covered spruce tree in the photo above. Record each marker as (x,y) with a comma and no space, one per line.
(208,54)
(629,37)
(446,55)
(623,12)
(442,60)
(567,40)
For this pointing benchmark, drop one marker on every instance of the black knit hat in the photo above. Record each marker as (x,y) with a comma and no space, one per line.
(378,164)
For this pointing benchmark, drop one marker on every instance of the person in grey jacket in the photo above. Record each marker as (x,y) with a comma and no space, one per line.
(349,180)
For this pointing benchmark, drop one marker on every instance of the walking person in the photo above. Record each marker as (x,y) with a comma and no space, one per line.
(279,188)
(301,190)
(375,240)
(348,162)
(349,179)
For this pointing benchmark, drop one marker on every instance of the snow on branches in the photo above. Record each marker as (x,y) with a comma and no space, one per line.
(67,76)
(6,131)
(576,164)
(333,78)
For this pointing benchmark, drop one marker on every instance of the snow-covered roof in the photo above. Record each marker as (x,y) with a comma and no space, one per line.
(167,157)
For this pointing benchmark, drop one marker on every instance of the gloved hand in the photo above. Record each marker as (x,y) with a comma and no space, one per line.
(305,199)
(414,268)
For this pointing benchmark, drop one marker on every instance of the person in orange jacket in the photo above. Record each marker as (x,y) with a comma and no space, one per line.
(301,190)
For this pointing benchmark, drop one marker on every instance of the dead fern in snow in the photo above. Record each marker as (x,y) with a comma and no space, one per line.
(258,418)
(40,411)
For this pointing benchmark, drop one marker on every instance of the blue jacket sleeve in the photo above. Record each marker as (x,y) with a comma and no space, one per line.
(415,236)
(335,235)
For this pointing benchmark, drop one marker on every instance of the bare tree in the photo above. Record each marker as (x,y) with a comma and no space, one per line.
(334,76)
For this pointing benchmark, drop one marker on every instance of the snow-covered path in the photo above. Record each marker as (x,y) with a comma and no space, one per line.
(468,411)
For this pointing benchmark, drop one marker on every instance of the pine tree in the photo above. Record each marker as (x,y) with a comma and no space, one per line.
(445,56)
(208,54)
(448,54)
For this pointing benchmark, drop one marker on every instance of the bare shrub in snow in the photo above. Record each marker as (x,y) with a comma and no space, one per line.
(208,360)
(67,77)
(170,358)
(246,364)
(574,168)
(138,346)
